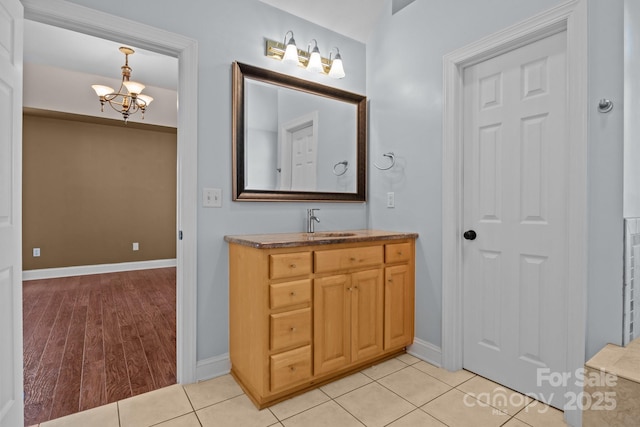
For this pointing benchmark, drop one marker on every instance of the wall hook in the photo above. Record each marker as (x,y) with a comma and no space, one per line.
(391,156)
(605,105)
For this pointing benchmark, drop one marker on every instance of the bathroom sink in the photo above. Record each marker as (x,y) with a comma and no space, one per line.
(324,234)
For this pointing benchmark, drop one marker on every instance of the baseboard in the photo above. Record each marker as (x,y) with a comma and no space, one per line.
(426,351)
(213,367)
(84,270)
(221,365)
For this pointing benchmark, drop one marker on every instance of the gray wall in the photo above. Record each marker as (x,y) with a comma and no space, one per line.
(606,143)
(229,31)
(631,108)
(402,75)
(404,85)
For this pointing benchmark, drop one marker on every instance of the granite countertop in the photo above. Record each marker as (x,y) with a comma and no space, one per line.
(288,240)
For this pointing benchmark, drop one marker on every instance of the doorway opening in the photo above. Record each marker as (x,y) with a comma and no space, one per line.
(102,25)
(93,335)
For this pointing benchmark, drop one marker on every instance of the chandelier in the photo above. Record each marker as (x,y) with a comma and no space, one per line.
(128,100)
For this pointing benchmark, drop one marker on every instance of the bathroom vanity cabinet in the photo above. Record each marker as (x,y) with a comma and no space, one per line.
(305,309)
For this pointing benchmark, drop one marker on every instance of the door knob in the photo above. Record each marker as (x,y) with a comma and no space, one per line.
(470,235)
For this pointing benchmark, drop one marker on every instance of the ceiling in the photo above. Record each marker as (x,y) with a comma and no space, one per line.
(57,47)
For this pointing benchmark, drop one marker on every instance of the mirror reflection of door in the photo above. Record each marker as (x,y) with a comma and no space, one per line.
(298,153)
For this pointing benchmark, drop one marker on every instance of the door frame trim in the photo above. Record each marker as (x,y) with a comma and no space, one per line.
(100,24)
(572,18)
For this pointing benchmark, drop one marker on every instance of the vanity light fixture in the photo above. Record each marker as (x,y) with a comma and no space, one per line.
(129,102)
(310,59)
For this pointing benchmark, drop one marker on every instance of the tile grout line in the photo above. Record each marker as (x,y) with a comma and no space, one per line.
(347,411)
(357,388)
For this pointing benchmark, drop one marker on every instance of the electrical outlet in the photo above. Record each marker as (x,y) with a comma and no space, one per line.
(36,252)
(136,246)
(391,199)
(212,197)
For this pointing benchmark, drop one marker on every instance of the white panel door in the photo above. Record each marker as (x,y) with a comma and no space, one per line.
(515,183)
(303,159)
(11,30)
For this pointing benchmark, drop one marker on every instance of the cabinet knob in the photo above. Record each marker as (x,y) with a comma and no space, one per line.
(293,293)
(399,252)
(293,329)
(292,368)
(353,259)
(292,266)
(390,280)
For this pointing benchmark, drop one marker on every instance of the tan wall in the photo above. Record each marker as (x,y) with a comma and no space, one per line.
(93,187)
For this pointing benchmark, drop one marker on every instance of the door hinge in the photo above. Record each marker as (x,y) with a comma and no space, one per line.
(180,235)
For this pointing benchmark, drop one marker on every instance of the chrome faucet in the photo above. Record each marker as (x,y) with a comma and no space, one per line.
(310,218)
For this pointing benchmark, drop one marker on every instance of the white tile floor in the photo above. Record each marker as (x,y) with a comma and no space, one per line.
(401,392)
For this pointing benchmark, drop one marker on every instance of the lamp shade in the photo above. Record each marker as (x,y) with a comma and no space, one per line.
(102,90)
(337,70)
(133,87)
(291,53)
(315,63)
(143,100)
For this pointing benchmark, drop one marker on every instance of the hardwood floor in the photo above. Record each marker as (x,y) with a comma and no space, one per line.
(92,340)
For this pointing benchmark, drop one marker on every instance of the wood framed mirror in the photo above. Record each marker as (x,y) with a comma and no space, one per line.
(295,140)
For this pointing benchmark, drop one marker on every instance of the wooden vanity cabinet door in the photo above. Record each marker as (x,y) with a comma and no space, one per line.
(398,307)
(331,323)
(366,293)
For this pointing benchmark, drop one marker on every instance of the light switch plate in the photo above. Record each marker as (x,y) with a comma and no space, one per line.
(212,197)
(391,199)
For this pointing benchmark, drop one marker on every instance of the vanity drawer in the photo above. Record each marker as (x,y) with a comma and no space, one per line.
(289,265)
(289,293)
(290,367)
(290,329)
(342,259)
(397,252)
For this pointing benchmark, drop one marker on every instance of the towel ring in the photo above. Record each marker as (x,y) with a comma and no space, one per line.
(393,161)
(345,165)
